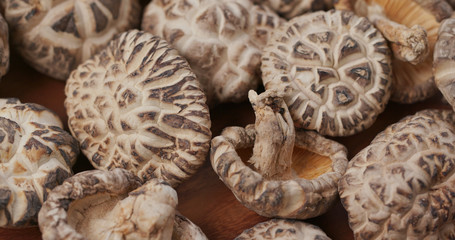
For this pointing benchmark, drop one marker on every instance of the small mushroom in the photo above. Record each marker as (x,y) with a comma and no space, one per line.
(54,37)
(291,174)
(411,28)
(293,8)
(402,185)
(4,47)
(137,105)
(221,39)
(36,155)
(283,229)
(333,69)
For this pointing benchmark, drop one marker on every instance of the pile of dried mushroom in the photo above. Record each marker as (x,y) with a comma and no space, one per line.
(138,104)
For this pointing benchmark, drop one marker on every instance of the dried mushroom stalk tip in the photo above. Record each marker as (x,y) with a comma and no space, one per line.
(221,39)
(278,184)
(36,155)
(4,47)
(54,37)
(137,105)
(281,229)
(293,8)
(402,185)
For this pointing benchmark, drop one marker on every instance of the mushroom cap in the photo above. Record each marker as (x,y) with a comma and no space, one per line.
(402,185)
(333,69)
(283,229)
(4,47)
(36,155)
(99,204)
(137,105)
(293,8)
(184,229)
(221,39)
(54,37)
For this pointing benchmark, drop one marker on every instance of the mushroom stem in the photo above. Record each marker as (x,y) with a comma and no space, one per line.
(275,135)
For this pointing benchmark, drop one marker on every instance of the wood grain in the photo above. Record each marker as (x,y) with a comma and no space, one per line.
(203,199)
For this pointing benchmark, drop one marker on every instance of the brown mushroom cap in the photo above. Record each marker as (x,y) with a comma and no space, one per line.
(137,105)
(54,37)
(101,204)
(4,47)
(184,229)
(219,38)
(36,155)
(283,229)
(402,185)
(293,8)
(333,69)
(278,183)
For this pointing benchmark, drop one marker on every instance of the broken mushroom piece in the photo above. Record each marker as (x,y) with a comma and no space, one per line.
(291,174)
(283,229)
(333,69)
(36,155)
(293,8)
(4,47)
(137,105)
(54,37)
(402,185)
(221,39)
(99,204)
(411,26)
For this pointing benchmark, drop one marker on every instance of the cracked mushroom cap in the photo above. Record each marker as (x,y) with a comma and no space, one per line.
(293,8)
(54,37)
(137,105)
(290,174)
(36,155)
(402,185)
(283,229)
(4,47)
(100,204)
(333,69)
(221,39)
(405,21)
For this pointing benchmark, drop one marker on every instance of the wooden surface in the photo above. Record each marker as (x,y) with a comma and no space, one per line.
(203,199)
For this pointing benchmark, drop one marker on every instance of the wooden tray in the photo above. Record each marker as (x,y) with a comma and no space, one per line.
(203,199)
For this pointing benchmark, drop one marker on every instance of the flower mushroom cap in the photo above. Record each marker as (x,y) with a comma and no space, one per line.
(4,47)
(221,39)
(401,186)
(36,155)
(283,229)
(293,8)
(333,69)
(54,37)
(137,105)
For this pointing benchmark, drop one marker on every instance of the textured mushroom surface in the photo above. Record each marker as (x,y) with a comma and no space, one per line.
(290,174)
(36,155)
(221,39)
(333,69)
(402,185)
(283,229)
(4,47)
(101,204)
(292,8)
(54,37)
(137,105)
(184,229)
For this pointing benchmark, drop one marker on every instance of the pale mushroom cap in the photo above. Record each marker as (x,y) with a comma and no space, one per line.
(54,37)
(221,39)
(334,71)
(36,155)
(402,185)
(4,47)
(282,229)
(137,105)
(293,8)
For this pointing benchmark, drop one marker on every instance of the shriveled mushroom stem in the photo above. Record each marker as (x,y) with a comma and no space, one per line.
(275,135)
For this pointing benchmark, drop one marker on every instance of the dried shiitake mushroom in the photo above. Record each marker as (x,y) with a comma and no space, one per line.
(291,174)
(333,69)
(184,229)
(411,27)
(54,37)
(4,47)
(36,155)
(137,105)
(283,229)
(292,8)
(221,39)
(402,185)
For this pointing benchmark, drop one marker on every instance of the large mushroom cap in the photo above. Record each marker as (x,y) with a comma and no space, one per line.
(137,105)
(4,47)
(36,155)
(284,230)
(219,38)
(333,69)
(402,185)
(293,8)
(56,36)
